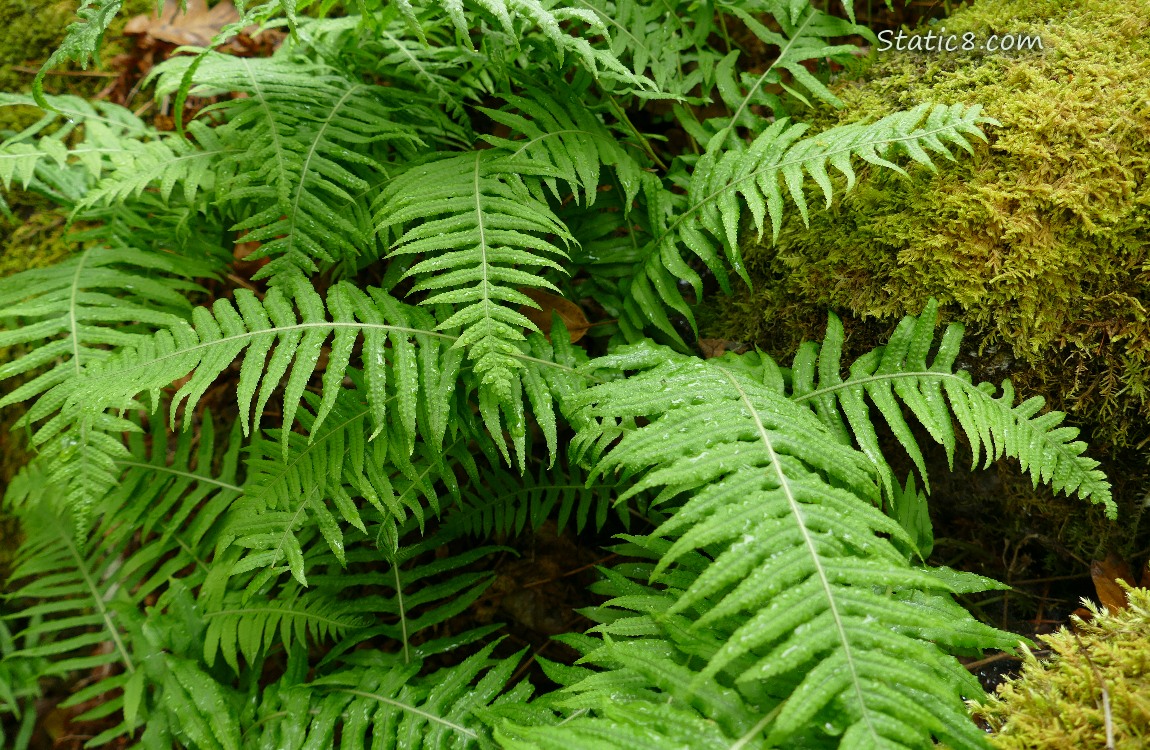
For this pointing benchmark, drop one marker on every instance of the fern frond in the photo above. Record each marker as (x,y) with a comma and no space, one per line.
(431,68)
(522,19)
(801,585)
(75,311)
(410,373)
(802,37)
(74,315)
(73,136)
(412,369)
(299,147)
(81,41)
(338,460)
(285,495)
(168,504)
(164,162)
(251,627)
(668,41)
(555,127)
(81,600)
(481,234)
(402,595)
(415,591)
(725,179)
(899,374)
(75,605)
(502,505)
(379,702)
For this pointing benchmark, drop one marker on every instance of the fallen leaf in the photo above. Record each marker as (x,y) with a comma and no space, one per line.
(717,347)
(1106,574)
(196,27)
(571,314)
(712,348)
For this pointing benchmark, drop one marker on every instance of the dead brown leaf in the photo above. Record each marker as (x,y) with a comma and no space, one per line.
(1106,574)
(718,347)
(571,314)
(196,27)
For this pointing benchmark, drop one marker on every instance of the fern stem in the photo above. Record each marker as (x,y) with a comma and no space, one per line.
(770,69)
(402,612)
(757,728)
(886,376)
(98,600)
(187,474)
(312,150)
(622,117)
(72,304)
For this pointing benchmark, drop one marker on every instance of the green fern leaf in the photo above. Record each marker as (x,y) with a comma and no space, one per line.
(72,144)
(81,41)
(556,128)
(74,311)
(518,18)
(81,601)
(899,374)
(801,37)
(504,503)
(481,234)
(315,132)
(252,627)
(252,327)
(800,576)
(378,702)
(668,41)
(725,178)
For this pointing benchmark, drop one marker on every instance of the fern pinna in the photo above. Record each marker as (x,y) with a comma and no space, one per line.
(418,176)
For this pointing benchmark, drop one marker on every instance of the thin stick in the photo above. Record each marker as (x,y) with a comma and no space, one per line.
(1050,579)
(1105,693)
(543,581)
(990,660)
(75,73)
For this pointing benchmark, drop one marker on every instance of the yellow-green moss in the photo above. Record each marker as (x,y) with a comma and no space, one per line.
(29,31)
(1058,705)
(1040,241)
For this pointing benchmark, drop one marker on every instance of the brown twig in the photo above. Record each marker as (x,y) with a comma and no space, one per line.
(1106,717)
(990,660)
(527,664)
(75,73)
(1050,579)
(543,581)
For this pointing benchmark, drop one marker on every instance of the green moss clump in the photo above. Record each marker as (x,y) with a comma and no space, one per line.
(1059,705)
(29,31)
(1040,241)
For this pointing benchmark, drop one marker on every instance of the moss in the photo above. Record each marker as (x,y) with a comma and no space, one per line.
(29,31)
(1040,240)
(1058,705)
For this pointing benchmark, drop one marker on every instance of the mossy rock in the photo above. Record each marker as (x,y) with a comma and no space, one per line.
(1059,704)
(29,31)
(1040,241)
